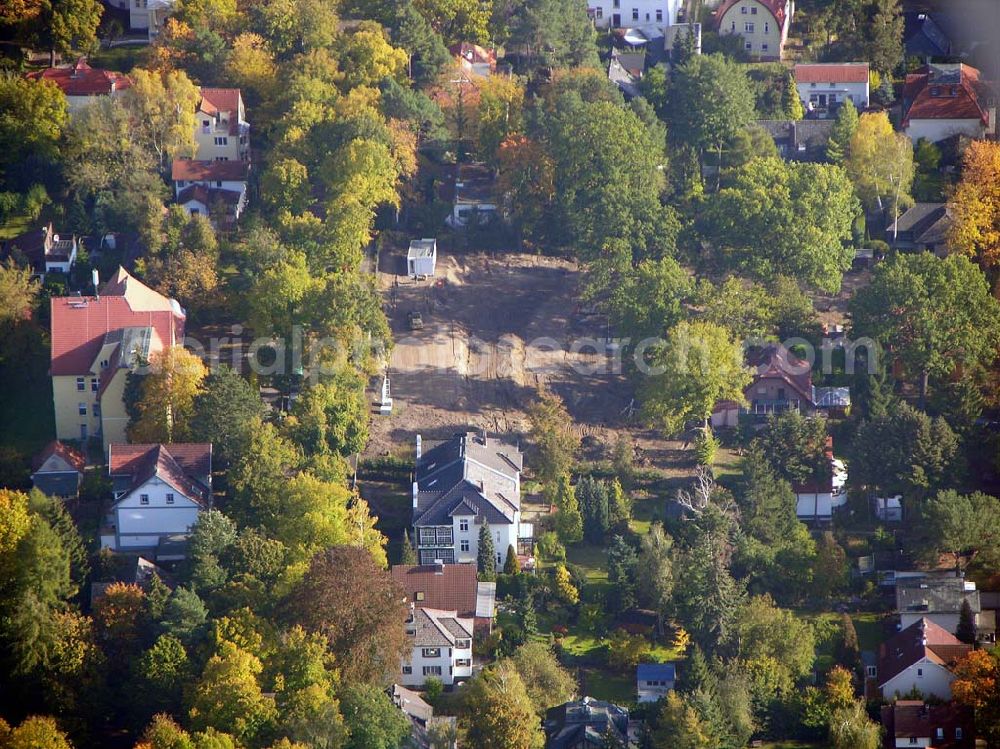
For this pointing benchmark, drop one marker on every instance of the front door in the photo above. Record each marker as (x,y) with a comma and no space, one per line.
(616,20)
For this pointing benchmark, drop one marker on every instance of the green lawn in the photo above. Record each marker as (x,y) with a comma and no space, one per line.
(15,226)
(593,559)
(122,58)
(792,745)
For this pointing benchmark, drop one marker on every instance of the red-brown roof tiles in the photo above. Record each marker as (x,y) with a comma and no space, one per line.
(83,80)
(453,589)
(928,96)
(190,170)
(922,639)
(186,465)
(838,72)
(68,454)
(79,324)
(215,100)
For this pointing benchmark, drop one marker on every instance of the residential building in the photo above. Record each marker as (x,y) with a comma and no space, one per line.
(916,723)
(938,599)
(637,13)
(625,70)
(944,100)
(440,645)
(82,84)
(43,251)
(224,185)
(149,15)
(423,723)
(57,471)
(799,140)
(96,341)
(421,258)
(159,491)
(920,657)
(823,87)
(462,483)
(781,382)
(221,207)
(474,60)
(654,680)
(473,195)
(449,587)
(817,498)
(925,37)
(675,30)
(222,131)
(133,569)
(924,226)
(585,723)
(889,509)
(763,24)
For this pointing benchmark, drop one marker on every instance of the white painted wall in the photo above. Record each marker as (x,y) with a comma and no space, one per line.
(503,536)
(634,13)
(140,524)
(856,92)
(809,505)
(446,661)
(928,677)
(938,130)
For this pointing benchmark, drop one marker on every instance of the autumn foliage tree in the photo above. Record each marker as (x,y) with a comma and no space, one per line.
(555,440)
(166,396)
(975,207)
(356,606)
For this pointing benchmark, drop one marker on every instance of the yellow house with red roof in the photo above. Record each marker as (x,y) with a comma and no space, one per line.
(96,341)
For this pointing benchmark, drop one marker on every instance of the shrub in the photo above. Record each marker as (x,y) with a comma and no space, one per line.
(705,447)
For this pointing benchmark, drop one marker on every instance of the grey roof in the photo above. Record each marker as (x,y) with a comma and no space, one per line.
(655,671)
(798,135)
(919,214)
(469,474)
(475,183)
(621,77)
(421,248)
(584,722)
(411,703)
(62,484)
(439,629)
(934,596)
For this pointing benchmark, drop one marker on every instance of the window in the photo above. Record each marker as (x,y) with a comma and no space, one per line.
(432,670)
(463,525)
(635,14)
(914,740)
(93,384)
(463,644)
(763,47)
(221,141)
(748,27)
(218,183)
(81,384)
(97,410)
(871,672)
(935,91)
(958,734)
(600,13)
(748,46)
(753,11)
(205,123)
(732,27)
(420,595)
(170,498)
(431,652)
(767,27)
(104,364)
(144,499)
(407,669)
(616,3)
(659,15)
(940,733)
(465,544)
(920,672)
(743,10)
(82,408)
(463,662)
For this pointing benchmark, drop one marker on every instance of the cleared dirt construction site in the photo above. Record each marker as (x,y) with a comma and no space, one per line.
(495,329)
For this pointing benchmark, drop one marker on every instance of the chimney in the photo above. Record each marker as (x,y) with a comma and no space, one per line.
(415,490)
(419,447)
(96,278)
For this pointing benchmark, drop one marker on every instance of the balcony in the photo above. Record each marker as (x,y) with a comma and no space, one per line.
(768,407)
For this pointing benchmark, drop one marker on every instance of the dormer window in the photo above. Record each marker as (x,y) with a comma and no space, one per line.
(144,499)
(935,91)
(419,595)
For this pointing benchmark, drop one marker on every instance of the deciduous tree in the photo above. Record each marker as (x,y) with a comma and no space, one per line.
(168,393)
(228,694)
(698,365)
(880,162)
(499,714)
(554,438)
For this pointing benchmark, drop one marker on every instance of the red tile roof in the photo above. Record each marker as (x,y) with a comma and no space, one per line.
(83,80)
(190,170)
(185,465)
(776,361)
(207,196)
(921,640)
(945,92)
(834,72)
(473,53)
(906,719)
(775,7)
(68,454)
(79,324)
(216,100)
(454,589)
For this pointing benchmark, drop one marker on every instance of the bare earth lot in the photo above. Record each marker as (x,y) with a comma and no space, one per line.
(495,329)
